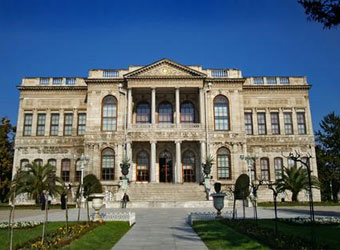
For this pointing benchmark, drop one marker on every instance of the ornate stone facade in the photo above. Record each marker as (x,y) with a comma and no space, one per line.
(166,118)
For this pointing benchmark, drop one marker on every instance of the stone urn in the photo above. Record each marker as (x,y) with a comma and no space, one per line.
(218,199)
(97,204)
(125,168)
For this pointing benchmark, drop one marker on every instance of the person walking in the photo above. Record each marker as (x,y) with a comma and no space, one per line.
(125,200)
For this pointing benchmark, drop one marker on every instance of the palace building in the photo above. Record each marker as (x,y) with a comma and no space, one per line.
(166,118)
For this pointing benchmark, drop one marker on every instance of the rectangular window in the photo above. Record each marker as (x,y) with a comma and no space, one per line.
(41,124)
(275,123)
(28,124)
(288,123)
(248,119)
(65,169)
(271,80)
(81,123)
(68,120)
(258,80)
(54,124)
(261,123)
(265,169)
(301,123)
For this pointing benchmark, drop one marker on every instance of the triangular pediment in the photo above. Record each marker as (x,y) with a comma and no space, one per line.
(164,68)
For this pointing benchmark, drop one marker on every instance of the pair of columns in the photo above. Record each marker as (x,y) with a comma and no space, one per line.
(177,173)
(153,106)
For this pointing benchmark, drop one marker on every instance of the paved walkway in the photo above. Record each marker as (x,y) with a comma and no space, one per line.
(164,228)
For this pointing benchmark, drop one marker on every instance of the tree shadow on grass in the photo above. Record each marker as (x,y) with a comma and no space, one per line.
(219,236)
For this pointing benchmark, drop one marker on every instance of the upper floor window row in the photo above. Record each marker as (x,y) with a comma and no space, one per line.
(275,123)
(54,124)
(270,80)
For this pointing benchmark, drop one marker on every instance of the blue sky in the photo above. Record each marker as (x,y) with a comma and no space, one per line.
(262,37)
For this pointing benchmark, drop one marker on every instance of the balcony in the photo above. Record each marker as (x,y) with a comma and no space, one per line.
(160,126)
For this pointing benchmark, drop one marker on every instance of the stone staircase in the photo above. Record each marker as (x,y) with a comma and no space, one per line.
(164,195)
(166,192)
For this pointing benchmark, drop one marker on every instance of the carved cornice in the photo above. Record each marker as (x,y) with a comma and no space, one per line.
(104,80)
(54,88)
(229,80)
(276,87)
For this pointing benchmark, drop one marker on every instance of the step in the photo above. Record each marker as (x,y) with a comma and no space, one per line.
(162,204)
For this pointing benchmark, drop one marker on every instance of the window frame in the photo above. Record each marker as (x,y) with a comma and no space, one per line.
(289,124)
(27,125)
(140,115)
(112,173)
(267,170)
(222,118)
(65,177)
(147,178)
(262,124)
(171,116)
(275,125)
(276,169)
(41,126)
(68,126)
(228,157)
(53,126)
(246,124)
(113,118)
(193,117)
(82,126)
(303,123)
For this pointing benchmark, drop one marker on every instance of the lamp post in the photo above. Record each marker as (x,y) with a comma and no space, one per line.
(84,160)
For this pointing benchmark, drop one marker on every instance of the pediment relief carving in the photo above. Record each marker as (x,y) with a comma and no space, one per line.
(165,68)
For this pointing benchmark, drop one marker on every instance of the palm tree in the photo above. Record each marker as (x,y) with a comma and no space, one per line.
(37,180)
(295,179)
(16,188)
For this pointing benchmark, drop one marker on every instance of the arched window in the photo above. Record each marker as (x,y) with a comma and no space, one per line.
(223,164)
(109,113)
(38,162)
(291,163)
(143,112)
(278,165)
(108,164)
(65,169)
(187,112)
(188,166)
(253,171)
(52,162)
(221,113)
(78,171)
(165,113)
(264,162)
(143,166)
(23,164)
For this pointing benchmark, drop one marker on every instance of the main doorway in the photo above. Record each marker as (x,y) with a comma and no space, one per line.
(165,167)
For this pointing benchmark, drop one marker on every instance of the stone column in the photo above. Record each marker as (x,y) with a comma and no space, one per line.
(34,122)
(48,122)
(61,123)
(178,169)
(178,116)
(129,107)
(281,121)
(294,120)
(129,156)
(202,109)
(75,122)
(268,122)
(255,127)
(153,162)
(203,156)
(153,105)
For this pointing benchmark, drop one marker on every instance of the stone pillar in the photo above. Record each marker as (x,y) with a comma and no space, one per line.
(281,121)
(61,123)
(178,116)
(202,109)
(153,105)
(128,153)
(129,107)
(255,127)
(178,169)
(48,123)
(153,162)
(200,176)
(268,122)
(34,122)
(75,122)
(294,120)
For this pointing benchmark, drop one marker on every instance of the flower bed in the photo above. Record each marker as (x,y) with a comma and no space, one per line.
(58,239)
(318,221)
(267,236)
(20,225)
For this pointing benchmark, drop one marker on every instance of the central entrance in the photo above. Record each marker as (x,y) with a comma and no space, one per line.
(165,167)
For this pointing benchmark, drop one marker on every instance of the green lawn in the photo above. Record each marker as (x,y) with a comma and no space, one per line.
(102,237)
(295,204)
(322,233)
(216,235)
(23,235)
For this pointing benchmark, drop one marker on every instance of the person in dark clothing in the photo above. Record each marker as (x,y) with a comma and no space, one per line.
(42,200)
(63,200)
(125,200)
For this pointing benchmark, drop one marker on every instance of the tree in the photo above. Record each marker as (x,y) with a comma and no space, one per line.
(328,154)
(295,179)
(6,157)
(326,12)
(39,180)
